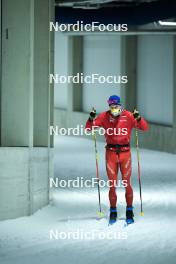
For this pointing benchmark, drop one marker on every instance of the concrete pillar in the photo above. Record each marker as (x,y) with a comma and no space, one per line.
(41,72)
(0,61)
(174,83)
(128,66)
(75,57)
(27,106)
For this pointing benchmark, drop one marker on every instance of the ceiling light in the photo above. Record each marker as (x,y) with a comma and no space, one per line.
(167,23)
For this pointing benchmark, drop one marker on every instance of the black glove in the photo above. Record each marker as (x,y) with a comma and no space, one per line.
(136,115)
(92,114)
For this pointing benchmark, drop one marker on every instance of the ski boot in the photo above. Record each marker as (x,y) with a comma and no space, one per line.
(113,215)
(129,215)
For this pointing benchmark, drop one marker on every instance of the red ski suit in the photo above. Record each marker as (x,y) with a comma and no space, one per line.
(123,126)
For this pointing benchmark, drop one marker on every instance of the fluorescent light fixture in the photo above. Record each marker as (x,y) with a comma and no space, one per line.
(167,23)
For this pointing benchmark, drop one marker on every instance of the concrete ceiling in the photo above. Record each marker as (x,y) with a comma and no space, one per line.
(132,12)
(96,3)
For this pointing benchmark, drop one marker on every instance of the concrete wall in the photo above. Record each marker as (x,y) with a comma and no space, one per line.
(155,78)
(146,76)
(26,154)
(101,55)
(156,89)
(23,180)
(16,30)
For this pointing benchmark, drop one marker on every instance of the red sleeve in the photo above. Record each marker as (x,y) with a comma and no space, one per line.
(98,121)
(142,124)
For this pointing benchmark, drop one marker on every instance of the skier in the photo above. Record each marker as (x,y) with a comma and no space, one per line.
(118,154)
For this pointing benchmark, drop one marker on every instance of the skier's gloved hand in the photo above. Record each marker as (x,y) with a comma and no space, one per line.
(92,115)
(136,115)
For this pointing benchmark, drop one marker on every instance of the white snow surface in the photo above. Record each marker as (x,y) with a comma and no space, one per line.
(151,239)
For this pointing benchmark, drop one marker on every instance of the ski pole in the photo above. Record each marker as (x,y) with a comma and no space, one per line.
(101,214)
(139,170)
